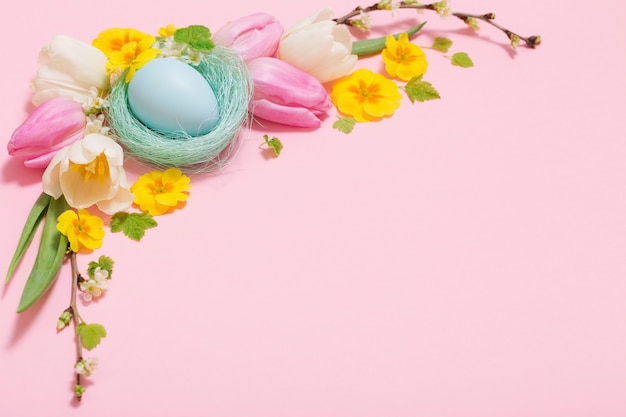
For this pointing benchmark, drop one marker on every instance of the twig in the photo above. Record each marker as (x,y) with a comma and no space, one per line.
(468,18)
(76,318)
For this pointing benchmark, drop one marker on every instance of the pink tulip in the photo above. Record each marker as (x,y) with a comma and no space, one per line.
(53,125)
(284,94)
(252,36)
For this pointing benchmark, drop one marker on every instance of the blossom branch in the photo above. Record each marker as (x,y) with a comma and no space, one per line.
(77,320)
(441,8)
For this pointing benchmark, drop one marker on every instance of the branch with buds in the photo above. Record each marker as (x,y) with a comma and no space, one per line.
(442,8)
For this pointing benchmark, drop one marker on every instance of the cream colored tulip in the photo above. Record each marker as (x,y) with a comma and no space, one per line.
(69,68)
(318,46)
(88,172)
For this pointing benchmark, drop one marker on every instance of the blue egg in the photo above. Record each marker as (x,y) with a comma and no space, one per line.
(169,96)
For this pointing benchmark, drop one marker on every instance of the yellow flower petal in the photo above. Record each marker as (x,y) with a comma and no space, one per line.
(365,95)
(403,59)
(158,192)
(83,230)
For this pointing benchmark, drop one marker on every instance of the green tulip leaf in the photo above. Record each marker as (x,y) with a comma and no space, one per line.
(373,46)
(52,249)
(35,216)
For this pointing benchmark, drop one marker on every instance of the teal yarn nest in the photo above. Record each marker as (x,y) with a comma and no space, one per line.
(228,76)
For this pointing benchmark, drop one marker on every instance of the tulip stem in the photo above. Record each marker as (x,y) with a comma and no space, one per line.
(439,7)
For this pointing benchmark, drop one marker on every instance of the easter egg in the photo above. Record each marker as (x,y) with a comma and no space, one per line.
(170,97)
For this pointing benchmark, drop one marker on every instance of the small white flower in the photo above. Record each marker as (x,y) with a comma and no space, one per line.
(366,21)
(171,48)
(101,275)
(95,287)
(86,366)
(395,5)
(95,124)
(93,103)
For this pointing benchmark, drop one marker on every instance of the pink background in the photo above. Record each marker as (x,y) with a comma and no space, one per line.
(463,258)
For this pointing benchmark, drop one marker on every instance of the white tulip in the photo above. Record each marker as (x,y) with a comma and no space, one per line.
(69,68)
(319,46)
(88,172)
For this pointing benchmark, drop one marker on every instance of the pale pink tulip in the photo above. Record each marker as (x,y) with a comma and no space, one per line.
(253,36)
(284,94)
(54,124)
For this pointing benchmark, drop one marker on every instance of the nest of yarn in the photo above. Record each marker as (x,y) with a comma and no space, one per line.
(228,76)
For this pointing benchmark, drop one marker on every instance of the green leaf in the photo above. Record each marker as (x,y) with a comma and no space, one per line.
(52,250)
(373,46)
(344,124)
(196,36)
(133,225)
(274,144)
(91,334)
(461,59)
(442,44)
(104,262)
(419,90)
(36,215)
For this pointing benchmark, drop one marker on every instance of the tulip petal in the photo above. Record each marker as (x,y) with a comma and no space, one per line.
(69,68)
(228,33)
(328,47)
(40,161)
(50,127)
(66,175)
(282,83)
(322,14)
(290,116)
(253,36)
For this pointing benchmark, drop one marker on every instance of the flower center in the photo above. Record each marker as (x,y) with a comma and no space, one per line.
(368,92)
(97,169)
(159,188)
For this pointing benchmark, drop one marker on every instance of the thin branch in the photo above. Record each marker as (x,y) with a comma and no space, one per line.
(468,18)
(76,317)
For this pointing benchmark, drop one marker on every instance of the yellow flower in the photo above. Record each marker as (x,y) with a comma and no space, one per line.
(115,38)
(365,95)
(83,230)
(167,30)
(157,192)
(126,49)
(403,59)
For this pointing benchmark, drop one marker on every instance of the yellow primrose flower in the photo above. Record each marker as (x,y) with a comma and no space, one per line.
(167,30)
(365,95)
(403,59)
(157,192)
(83,230)
(126,49)
(132,56)
(115,38)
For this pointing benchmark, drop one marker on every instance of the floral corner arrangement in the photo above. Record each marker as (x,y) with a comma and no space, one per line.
(176,101)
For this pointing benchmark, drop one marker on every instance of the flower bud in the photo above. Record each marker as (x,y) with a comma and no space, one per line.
(253,36)
(56,123)
(284,94)
(319,46)
(69,68)
(64,320)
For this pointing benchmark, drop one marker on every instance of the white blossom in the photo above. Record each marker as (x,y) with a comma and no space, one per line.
(86,366)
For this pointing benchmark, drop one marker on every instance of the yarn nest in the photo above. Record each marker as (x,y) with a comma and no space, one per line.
(230,80)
